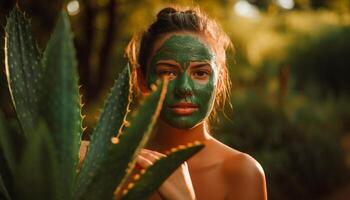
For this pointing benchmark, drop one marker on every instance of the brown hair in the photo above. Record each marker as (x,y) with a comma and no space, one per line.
(175,19)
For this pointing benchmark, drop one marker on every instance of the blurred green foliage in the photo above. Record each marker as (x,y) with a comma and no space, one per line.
(289,71)
(321,63)
(299,147)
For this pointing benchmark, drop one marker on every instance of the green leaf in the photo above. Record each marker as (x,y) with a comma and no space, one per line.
(121,157)
(36,175)
(61,103)
(111,119)
(23,69)
(157,173)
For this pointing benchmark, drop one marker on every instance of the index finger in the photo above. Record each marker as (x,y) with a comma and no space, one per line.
(156,153)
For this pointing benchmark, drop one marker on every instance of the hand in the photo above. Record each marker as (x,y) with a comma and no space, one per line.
(178,186)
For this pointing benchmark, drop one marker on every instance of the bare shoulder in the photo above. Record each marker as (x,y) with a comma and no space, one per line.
(242,164)
(244,175)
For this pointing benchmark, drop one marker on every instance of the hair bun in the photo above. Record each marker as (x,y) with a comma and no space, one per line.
(165,12)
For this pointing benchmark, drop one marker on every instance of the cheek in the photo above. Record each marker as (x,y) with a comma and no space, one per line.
(205,93)
(210,99)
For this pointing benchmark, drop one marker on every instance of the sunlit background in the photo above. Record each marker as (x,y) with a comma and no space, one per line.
(290,69)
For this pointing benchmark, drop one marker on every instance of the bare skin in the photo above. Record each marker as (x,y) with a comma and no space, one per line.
(217,171)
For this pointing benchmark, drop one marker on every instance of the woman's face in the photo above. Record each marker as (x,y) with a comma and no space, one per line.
(190,65)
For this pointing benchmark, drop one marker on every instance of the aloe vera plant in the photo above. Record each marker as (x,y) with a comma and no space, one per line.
(45,93)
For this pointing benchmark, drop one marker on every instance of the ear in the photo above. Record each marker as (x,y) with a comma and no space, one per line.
(141,81)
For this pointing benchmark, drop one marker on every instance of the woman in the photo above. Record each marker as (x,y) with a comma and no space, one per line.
(188,48)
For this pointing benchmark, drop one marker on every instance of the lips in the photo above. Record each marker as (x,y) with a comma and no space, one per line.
(183,108)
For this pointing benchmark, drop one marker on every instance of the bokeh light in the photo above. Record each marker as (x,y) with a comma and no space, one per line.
(73,7)
(286,4)
(245,9)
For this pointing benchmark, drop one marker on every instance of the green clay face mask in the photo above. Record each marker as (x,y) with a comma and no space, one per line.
(190,66)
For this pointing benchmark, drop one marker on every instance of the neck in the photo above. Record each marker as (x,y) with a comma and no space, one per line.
(166,137)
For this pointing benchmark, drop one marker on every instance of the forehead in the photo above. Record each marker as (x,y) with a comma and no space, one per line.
(183,46)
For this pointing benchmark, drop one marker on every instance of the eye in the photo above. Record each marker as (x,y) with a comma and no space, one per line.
(168,74)
(201,74)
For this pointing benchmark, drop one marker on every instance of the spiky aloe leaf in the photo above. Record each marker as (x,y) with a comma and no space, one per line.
(111,119)
(23,69)
(61,108)
(36,175)
(156,174)
(122,156)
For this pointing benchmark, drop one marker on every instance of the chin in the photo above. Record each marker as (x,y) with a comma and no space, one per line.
(182,124)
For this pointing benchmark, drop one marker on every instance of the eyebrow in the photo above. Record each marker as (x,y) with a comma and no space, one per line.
(200,64)
(194,64)
(173,65)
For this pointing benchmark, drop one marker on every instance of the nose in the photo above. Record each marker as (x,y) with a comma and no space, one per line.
(183,87)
